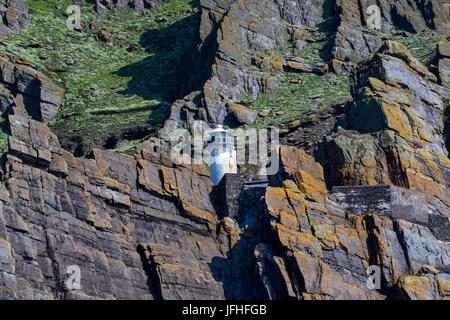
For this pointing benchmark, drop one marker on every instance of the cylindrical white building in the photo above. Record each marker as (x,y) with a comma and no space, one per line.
(222,154)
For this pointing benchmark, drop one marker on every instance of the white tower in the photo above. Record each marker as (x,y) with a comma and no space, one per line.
(223,154)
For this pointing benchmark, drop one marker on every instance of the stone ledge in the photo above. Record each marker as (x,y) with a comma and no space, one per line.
(385,201)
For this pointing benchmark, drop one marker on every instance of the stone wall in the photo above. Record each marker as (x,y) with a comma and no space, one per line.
(227,194)
(386,201)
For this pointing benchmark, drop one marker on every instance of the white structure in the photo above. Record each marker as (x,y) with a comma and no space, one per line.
(222,154)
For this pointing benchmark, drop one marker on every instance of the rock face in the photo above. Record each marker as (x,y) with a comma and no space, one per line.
(143,228)
(14,17)
(104,215)
(259,28)
(394,129)
(233,36)
(237,37)
(26,91)
(352,41)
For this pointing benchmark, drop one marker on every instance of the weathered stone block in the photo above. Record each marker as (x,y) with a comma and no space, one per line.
(385,201)
(227,194)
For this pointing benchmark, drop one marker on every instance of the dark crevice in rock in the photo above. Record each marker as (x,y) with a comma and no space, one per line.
(131,134)
(330,23)
(331,157)
(149,266)
(111,143)
(234,270)
(60,289)
(15,230)
(401,240)
(375,257)
(296,276)
(239,271)
(397,173)
(401,22)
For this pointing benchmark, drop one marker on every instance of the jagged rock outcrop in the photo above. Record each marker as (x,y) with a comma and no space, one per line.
(238,36)
(324,255)
(14,16)
(26,91)
(241,28)
(234,36)
(394,129)
(305,134)
(354,42)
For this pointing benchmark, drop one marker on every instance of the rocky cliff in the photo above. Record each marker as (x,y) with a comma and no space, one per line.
(394,128)
(254,46)
(363,181)
(143,228)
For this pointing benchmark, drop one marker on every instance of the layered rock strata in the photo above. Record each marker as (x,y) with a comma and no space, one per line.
(143,228)
(26,91)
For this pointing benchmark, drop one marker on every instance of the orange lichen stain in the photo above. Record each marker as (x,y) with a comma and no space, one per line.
(418,287)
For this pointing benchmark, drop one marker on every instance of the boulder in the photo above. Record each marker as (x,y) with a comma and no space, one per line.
(243,115)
